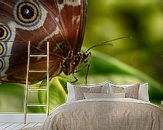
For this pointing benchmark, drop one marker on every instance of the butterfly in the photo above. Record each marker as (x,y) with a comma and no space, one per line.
(60,22)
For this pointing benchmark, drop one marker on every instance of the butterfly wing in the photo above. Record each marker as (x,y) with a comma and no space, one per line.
(22,21)
(73,18)
(37,21)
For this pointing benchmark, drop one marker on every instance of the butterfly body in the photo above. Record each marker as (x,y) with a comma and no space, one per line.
(70,64)
(61,22)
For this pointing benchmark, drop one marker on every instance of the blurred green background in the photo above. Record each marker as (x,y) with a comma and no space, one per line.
(129,61)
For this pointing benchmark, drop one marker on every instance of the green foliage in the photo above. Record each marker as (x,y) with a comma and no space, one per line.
(11,97)
(57,93)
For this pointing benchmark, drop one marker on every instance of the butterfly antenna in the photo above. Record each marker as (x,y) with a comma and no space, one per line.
(107,43)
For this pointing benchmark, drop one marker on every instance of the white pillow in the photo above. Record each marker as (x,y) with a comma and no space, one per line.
(143,90)
(71,93)
(103,95)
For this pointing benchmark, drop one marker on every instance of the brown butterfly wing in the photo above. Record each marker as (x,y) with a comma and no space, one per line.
(13,67)
(73,18)
(50,26)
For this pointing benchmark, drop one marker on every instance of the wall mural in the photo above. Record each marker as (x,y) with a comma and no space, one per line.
(135,60)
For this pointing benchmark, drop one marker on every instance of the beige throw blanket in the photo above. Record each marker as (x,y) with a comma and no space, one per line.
(106,114)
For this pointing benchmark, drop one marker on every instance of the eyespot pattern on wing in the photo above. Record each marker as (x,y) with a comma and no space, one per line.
(2,64)
(4,32)
(2,49)
(27,13)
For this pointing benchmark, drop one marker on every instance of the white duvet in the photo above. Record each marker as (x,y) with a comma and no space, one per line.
(106,114)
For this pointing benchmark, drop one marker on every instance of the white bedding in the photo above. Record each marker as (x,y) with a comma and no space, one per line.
(106,114)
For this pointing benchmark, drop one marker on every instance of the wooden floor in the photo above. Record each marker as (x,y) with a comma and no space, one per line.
(15,121)
(17,126)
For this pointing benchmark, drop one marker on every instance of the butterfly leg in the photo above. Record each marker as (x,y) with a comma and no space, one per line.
(86,76)
(76,79)
(87,66)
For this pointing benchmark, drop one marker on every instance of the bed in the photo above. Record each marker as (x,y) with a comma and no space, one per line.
(102,109)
